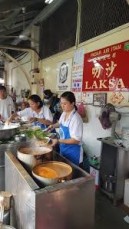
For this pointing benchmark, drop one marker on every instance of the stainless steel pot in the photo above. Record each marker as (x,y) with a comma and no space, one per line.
(8,132)
(60,172)
(32,156)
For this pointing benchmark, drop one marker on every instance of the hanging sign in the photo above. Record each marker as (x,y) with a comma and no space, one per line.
(77,70)
(64,75)
(107,69)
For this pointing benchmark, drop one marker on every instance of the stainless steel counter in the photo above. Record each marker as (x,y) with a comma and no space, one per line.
(62,206)
(3,148)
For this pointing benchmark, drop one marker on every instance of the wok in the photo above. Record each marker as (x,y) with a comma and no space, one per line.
(6,132)
(33,155)
(52,172)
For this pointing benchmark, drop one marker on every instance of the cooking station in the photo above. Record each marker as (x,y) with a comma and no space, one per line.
(63,205)
(67,204)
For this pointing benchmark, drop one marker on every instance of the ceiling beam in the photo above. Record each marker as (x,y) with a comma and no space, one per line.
(16,28)
(16,4)
(43,15)
(2,47)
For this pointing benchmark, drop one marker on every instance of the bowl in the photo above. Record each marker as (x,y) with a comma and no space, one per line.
(52,172)
(43,142)
(118,142)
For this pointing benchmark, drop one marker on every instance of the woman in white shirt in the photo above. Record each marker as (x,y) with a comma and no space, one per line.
(37,113)
(70,129)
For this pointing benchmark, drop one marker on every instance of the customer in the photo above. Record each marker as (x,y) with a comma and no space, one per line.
(6,104)
(70,129)
(53,102)
(37,113)
(24,105)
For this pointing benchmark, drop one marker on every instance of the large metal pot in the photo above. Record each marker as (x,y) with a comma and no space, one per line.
(8,131)
(32,156)
(52,172)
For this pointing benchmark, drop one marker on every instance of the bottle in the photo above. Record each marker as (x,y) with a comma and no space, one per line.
(110,184)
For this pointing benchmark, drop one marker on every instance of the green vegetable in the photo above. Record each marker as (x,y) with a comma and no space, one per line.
(29,133)
(39,134)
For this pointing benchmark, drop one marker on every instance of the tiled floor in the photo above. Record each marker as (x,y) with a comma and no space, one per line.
(108,216)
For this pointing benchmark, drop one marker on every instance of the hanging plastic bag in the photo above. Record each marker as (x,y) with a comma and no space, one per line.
(82,111)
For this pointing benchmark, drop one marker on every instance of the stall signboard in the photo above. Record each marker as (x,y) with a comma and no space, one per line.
(107,69)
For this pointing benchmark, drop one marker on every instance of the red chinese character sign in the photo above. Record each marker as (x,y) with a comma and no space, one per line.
(107,69)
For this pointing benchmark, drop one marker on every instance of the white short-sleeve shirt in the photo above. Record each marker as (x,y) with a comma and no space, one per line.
(29,113)
(75,124)
(6,107)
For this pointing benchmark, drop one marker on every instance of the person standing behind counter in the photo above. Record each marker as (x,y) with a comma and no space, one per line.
(70,130)
(37,113)
(53,102)
(6,104)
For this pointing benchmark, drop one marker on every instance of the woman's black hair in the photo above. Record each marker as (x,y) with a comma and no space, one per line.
(69,96)
(2,88)
(48,93)
(36,99)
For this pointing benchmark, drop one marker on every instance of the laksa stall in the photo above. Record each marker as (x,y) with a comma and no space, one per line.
(47,191)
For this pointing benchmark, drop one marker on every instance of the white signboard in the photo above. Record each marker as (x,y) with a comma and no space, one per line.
(64,75)
(77,70)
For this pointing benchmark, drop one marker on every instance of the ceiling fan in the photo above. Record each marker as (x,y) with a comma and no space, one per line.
(23,36)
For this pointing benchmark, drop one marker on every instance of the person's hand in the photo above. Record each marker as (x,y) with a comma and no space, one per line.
(54,142)
(1,119)
(8,121)
(32,119)
(50,128)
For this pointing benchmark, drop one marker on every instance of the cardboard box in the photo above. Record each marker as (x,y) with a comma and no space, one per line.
(95,173)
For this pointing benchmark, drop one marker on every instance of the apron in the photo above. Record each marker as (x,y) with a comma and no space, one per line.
(41,125)
(70,151)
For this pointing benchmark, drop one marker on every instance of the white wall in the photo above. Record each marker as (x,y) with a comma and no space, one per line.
(17,78)
(92,129)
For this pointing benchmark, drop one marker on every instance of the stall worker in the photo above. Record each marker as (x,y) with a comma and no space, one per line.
(70,129)
(36,113)
(52,100)
(7,106)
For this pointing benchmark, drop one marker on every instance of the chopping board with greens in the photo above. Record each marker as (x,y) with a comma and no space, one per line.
(38,134)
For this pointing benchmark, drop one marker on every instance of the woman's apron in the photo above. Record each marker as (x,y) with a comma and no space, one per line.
(70,151)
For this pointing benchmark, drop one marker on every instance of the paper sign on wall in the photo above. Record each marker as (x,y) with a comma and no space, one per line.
(77,70)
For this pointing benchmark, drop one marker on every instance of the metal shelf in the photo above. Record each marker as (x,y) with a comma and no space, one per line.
(115,162)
